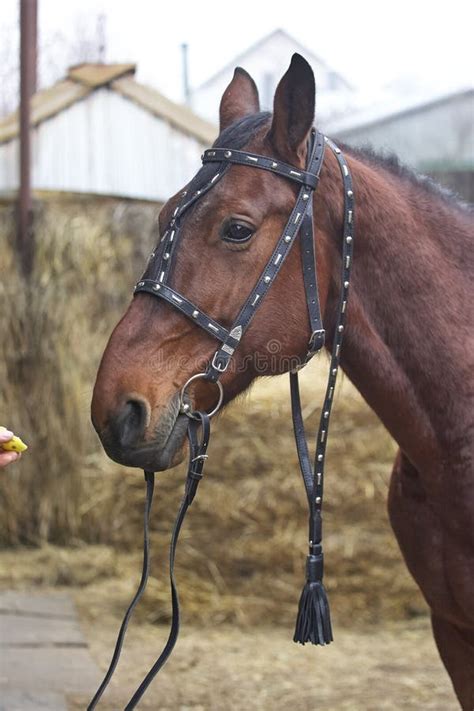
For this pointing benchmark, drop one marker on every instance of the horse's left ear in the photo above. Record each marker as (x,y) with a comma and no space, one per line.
(293,111)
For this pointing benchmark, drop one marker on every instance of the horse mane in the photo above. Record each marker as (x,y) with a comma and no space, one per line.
(389,161)
(239,133)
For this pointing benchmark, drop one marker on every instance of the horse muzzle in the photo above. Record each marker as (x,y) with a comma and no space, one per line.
(131,437)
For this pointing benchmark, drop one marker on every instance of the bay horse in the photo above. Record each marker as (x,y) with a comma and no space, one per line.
(408,349)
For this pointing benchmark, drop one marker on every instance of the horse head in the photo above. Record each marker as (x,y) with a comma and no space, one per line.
(226,238)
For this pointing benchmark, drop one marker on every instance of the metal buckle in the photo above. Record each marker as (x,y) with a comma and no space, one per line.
(320,333)
(311,352)
(185,408)
(216,366)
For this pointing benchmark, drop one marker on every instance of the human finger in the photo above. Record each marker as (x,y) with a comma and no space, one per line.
(7,458)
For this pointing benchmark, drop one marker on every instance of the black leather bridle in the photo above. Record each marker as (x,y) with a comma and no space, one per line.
(313,622)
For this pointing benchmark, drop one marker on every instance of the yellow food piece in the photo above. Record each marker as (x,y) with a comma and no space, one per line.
(14,445)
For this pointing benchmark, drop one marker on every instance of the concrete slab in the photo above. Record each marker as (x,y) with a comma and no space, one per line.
(43,653)
(54,604)
(26,701)
(18,631)
(50,669)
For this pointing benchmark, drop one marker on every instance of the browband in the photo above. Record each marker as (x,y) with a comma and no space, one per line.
(219,155)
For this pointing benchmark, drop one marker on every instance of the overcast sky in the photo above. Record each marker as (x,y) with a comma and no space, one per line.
(372,43)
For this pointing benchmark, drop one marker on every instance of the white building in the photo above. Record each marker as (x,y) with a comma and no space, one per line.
(99,131)
(267,61)
(434,135)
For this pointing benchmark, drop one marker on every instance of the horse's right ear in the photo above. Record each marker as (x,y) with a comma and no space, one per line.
(239,99)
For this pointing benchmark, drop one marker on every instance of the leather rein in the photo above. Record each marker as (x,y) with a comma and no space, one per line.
(313,621)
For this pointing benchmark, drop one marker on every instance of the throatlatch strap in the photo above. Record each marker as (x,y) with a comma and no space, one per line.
(313,622)
(197,457)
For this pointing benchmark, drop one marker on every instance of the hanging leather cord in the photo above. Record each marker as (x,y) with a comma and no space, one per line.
(150,484)
(198,435)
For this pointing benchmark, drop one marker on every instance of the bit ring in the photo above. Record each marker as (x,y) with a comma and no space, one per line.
(185,408)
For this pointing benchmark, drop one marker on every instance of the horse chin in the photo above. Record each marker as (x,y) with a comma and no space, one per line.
(153,455)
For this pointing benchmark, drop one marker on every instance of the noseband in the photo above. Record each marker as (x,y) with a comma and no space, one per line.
(313,621)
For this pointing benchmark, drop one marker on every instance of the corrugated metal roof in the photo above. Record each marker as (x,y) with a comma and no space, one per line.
(83,79)
(94,75)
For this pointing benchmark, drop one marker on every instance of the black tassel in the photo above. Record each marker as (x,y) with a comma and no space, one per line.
(313,623)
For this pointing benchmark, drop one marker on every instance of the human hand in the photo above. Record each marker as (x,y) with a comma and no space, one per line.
(7,458)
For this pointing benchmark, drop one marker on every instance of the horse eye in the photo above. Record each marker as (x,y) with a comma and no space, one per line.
(236,232)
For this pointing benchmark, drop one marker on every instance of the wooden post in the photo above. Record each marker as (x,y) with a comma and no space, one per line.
(28,35)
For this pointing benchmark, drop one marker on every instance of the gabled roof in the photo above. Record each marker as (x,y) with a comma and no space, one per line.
(392,109)
(84,79)
(240,58)
(95,75)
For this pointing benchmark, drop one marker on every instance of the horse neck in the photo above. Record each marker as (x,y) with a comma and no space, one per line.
(408,317)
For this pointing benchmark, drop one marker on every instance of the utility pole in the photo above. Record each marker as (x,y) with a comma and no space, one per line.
(101,37)
(186,92)
(28,44)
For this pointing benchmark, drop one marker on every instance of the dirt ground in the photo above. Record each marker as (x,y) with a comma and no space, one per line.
(391,668)
(235,651)
(382,665)
(385,664)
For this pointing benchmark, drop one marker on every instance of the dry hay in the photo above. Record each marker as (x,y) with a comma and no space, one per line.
(243,547)
(54,327)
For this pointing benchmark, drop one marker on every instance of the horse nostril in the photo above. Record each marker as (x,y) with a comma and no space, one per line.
(132,421)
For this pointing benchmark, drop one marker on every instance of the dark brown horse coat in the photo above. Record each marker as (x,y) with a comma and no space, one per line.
(409,343)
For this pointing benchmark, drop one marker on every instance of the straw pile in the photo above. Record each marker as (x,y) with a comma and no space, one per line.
(54,327)
(243,547)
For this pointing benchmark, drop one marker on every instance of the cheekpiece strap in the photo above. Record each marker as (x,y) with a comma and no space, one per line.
(303,204)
